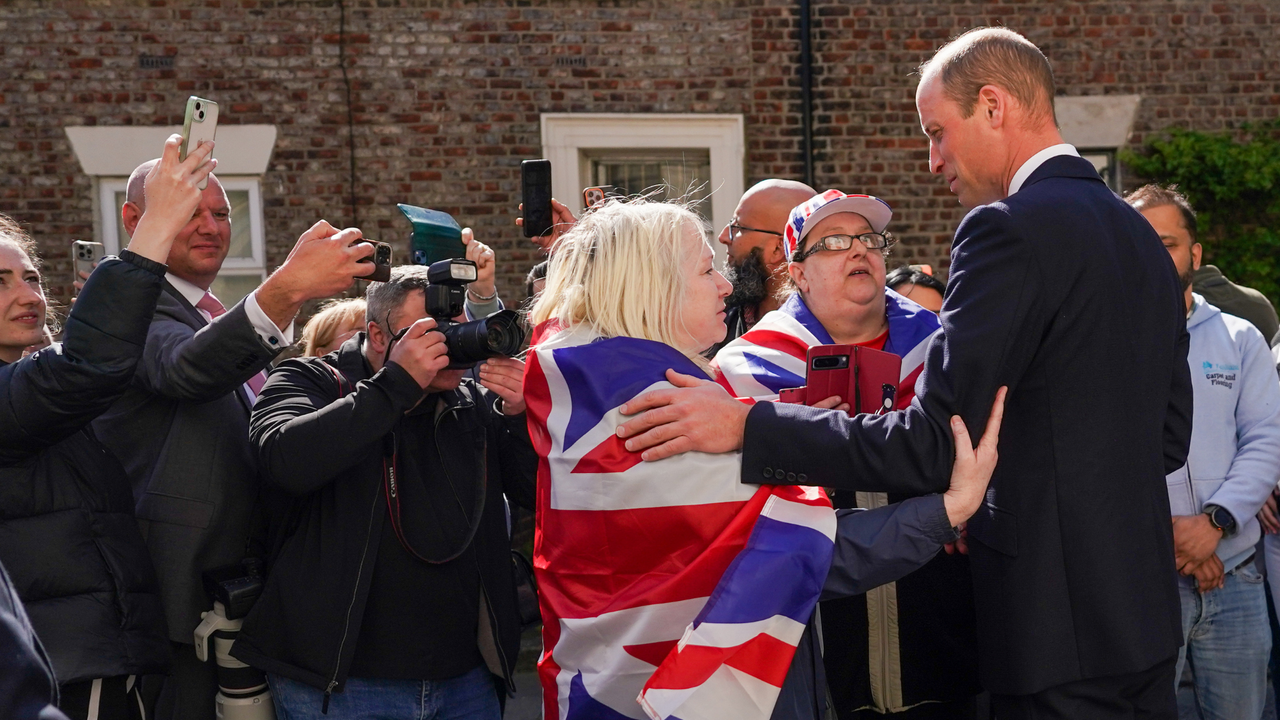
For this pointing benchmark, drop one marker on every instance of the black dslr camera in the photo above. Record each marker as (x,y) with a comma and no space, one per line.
(499,335)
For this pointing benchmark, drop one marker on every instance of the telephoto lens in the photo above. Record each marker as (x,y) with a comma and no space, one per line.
(499,335)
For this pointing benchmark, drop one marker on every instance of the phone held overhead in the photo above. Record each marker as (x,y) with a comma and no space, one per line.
(199,125)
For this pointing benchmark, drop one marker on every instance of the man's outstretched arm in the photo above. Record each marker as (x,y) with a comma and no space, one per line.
(992,326)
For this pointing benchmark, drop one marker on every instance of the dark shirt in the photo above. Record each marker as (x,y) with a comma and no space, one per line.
(420,620)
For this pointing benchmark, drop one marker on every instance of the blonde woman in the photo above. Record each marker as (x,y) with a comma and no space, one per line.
(337,322)
(670,587)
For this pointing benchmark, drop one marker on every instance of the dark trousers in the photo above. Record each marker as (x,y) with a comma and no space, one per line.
(1145,695)
(113,698)
(187,692)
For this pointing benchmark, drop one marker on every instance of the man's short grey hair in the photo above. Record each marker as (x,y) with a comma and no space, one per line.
(384,298)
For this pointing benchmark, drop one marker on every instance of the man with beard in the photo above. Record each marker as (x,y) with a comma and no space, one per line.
(756,266)
(1230,471)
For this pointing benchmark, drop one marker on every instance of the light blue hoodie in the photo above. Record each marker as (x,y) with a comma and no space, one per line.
(1234,460)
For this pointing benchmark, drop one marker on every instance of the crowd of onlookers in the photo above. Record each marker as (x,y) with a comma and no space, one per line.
(369,481)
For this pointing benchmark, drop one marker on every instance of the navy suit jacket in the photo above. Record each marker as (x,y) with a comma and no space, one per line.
(182,433)
(1065,294)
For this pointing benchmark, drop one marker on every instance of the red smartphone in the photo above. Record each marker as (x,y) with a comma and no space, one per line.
(867,379)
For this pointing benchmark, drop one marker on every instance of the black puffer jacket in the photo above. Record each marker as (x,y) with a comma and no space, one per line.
(67,531)
(323,444)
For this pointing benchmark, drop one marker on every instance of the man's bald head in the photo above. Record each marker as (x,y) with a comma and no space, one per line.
(775,193)
(754,240)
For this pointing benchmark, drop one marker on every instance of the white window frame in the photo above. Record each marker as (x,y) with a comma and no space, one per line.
(1098,124)
(256,265)
(566,135)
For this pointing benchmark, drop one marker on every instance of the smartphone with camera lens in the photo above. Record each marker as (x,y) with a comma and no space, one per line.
(86,256)
(535,187)
(381,260)
(199,124)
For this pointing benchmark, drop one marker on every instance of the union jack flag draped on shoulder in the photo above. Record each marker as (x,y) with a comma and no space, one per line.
(771,356)
(668,589)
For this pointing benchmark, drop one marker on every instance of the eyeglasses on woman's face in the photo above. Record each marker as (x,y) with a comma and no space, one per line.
(840,242)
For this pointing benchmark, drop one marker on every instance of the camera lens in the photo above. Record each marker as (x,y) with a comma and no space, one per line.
(499,335)
(200,115)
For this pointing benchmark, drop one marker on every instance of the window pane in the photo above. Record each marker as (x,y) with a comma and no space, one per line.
(241,229)
(241,232)
(231,289)
(677,173)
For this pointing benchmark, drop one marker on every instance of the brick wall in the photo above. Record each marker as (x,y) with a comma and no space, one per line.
(446,96)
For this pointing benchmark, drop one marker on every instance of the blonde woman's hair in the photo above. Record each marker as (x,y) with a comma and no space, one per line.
(323,327)
(621,271)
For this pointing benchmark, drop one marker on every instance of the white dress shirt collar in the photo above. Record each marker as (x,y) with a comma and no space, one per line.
(186,289)
(1034,162)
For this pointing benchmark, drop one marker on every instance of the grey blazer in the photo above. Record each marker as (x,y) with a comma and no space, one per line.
(182,433)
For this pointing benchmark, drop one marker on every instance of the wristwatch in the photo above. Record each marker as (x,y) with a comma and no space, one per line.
(1221,519)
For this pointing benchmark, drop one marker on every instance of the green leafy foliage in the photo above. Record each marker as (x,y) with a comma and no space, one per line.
(1233,181)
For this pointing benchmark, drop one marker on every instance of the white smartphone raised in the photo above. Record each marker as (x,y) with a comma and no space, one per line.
(86,255)
(200,123)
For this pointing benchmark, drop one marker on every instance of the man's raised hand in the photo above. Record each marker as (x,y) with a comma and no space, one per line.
(172,192)
(421,352)
(324,262)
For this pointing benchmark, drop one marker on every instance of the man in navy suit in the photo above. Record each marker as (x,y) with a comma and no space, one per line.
(1063,293)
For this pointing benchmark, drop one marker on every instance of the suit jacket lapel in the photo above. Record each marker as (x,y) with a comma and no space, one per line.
(192,317)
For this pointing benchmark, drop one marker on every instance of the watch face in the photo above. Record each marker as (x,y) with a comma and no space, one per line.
(1221,518)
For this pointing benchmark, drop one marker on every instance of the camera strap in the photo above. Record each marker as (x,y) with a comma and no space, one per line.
(392,490)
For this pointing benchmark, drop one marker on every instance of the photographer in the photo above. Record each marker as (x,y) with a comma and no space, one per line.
(67,534)
(392,577)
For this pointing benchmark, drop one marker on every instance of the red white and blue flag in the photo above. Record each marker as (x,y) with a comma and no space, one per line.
(670,588)
(771,356)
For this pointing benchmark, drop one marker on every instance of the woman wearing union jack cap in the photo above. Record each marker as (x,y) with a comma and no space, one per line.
(670,588)
(908,647)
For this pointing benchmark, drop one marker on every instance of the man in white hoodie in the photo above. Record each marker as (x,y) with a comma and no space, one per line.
(1231,469)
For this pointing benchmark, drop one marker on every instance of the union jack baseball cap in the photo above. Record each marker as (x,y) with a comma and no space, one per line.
(809,213)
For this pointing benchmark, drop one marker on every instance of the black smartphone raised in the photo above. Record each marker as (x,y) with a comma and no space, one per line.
(381,259)
(535,186)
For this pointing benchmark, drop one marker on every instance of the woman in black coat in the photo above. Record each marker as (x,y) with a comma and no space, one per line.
(68,536)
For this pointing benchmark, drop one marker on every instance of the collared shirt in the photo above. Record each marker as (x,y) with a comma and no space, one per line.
(1034,162)
(266,328)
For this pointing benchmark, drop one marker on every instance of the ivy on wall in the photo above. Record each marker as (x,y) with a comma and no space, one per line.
(1233,181)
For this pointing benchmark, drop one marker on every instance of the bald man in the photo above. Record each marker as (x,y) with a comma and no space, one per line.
(182,429)
(757,263)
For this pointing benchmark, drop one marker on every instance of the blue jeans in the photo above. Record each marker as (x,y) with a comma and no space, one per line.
(472,696)
(1228,639)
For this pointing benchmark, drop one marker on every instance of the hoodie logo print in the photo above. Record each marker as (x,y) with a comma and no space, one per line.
(1220,374)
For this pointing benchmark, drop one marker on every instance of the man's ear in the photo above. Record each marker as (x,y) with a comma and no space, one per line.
(376,338)
(775,255)
(993,103)
(1197,251)
(130,214)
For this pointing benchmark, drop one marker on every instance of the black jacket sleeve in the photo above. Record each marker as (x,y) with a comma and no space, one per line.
(874,547)
(52,394)
(182,363)
(305,434)
(992,324)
